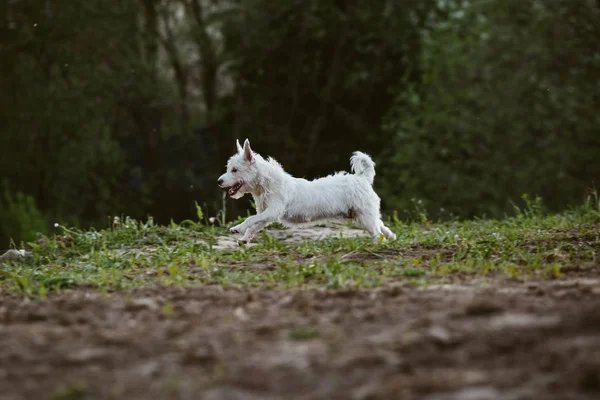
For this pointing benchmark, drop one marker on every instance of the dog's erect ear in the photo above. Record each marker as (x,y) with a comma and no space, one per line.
(247,151)
(238,145)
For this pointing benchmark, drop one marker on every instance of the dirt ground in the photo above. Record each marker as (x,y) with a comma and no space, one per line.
(457,341)
(467,339)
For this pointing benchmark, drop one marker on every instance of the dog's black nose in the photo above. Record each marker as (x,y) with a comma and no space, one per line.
(220,181)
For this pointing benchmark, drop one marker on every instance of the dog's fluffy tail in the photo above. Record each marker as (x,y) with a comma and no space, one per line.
(362,165)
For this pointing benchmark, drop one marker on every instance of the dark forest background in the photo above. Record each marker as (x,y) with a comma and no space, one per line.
(132,107)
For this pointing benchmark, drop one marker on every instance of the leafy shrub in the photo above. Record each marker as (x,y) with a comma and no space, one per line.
(20,219)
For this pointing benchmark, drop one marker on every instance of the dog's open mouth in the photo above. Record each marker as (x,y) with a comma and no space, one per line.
(234,189)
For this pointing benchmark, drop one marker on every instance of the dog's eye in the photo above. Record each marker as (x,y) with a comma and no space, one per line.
(233,169)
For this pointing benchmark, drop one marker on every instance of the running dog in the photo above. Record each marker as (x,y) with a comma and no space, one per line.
(280,197)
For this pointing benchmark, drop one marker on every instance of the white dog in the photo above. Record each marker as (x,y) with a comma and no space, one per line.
(279,197)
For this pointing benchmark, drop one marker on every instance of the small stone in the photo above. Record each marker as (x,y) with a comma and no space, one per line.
(87,355)
(241,314)
(440,335)
(145,302)
(472,393)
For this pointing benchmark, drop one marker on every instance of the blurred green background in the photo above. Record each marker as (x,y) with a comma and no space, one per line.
(131,107)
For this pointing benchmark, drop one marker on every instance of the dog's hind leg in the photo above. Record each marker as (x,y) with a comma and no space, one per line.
(387,231)
(371,223)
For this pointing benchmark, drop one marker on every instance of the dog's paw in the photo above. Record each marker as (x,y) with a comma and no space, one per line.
(245,239)
(236,229)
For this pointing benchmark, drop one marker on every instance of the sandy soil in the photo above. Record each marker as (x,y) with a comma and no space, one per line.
(296,234)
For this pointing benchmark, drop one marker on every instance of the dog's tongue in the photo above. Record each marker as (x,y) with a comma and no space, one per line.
(233,189)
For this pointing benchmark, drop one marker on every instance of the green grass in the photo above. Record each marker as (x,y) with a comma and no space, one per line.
(530,245)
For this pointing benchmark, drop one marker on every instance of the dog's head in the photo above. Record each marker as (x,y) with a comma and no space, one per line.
(241,171)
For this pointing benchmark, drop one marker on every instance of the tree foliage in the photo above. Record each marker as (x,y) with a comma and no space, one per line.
(507,104)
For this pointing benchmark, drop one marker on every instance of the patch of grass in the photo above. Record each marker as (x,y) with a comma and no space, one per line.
(132,253)
(303,333)
(75,391)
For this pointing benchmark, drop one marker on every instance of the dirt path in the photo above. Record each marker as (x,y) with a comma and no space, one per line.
(505,341)
(296,234)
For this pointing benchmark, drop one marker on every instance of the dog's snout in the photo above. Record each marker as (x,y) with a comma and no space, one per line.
(220,181)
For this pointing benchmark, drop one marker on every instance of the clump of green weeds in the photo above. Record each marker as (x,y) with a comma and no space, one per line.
(131,253)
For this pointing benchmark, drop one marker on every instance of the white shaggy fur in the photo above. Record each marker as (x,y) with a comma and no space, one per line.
(279,197)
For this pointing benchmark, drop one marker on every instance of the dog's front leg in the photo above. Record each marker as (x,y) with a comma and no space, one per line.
(253,219)
(256,222)
(243,227)
(240,228)
(260,208)
(249,234)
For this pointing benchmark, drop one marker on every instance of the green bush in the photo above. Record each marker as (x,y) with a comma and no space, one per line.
(20,219)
